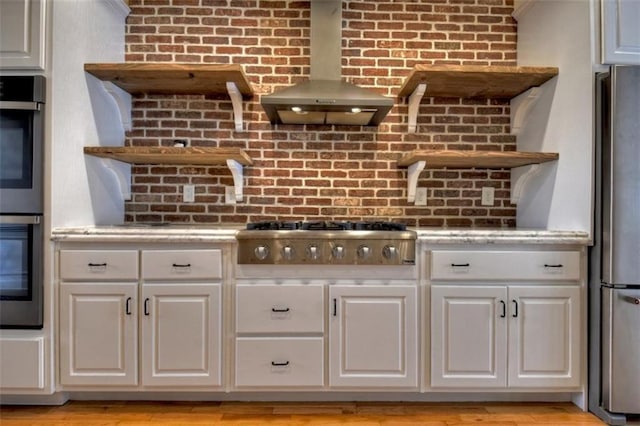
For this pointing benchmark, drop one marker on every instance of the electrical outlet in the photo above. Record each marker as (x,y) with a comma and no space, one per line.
(488,193)
(189,193)
(421,197)
(229,195)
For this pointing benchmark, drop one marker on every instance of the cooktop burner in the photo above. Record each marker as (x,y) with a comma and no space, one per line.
(326,226)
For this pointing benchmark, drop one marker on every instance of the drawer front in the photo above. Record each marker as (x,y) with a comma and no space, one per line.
(279,361)
(279,308)
(505,265)
(99,265)
(181,264)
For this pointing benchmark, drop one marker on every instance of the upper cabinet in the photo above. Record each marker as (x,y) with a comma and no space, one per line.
(469,81)
(22,34)
(620,32)
(171,78)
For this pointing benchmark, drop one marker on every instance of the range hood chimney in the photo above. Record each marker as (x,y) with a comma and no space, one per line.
(325,98)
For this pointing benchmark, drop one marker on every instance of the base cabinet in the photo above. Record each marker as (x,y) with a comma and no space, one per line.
(180,334)
(98,334)
(373,336)
(105,302)
(505,336)
(22,360)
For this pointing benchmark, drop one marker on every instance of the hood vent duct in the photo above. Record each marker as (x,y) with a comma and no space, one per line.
(325,98)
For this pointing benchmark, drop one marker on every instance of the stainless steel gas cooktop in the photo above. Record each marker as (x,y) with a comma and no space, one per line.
(326,242)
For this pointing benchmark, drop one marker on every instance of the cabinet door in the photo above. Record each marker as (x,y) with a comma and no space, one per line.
(544,336)
(98,334)
(468,336)
(373,336)
(22,32)
(620,32)
(180,334)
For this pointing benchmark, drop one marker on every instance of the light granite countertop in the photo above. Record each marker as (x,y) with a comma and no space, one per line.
(226,233)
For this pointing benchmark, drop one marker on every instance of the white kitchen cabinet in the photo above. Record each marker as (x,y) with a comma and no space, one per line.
(373,337)
(98,333)
(488,336)
(22,34)
(22,360)
(180,334)
(620,32)
(172,297)
(280,335)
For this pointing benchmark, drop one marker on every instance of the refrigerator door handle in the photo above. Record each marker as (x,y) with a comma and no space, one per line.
(633,300)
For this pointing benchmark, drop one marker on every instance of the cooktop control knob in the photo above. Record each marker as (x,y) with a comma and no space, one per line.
(364,251)
(312,252)
(338,252)
(287,252)
(261,252)
(390,252)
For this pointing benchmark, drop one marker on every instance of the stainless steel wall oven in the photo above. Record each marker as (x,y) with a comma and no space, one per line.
(21,144)
(22,100)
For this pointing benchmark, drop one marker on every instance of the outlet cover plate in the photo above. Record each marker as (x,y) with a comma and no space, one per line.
(488,193)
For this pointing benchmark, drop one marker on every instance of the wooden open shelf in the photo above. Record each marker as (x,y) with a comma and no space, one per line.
(169,78)
(416,161)
(472,81)
(234,158)
(460,159)
(172,78)
(201,156)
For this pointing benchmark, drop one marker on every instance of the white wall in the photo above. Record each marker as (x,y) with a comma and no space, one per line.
(83,191)
(558,33)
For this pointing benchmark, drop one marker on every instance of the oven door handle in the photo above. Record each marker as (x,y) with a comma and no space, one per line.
(20,220)
(24,106)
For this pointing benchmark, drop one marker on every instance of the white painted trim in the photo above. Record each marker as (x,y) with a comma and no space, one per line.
(123,102)
(236,102)
(521,8)
(520,176)
(412,179)
(237,173)
(520,107)
(122,173)
(414,105)
(119,6)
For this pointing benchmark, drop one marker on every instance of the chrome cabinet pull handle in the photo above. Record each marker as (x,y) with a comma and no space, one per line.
(280,310)
(279,364)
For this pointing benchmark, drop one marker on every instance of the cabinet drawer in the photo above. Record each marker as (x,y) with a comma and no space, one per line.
(505,265)
(279,308)
(99,265)
(279,361)
(181,264)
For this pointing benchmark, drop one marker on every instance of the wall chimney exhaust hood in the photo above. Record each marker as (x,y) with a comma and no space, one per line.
(325,98)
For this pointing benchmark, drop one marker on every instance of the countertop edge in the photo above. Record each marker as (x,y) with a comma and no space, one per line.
(225,234)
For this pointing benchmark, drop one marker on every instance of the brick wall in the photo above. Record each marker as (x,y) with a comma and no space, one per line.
(313,172)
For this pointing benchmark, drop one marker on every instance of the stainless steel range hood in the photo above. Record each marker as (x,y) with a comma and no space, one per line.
(325,98)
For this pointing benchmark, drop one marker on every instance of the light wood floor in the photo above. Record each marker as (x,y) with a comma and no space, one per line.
(296,413)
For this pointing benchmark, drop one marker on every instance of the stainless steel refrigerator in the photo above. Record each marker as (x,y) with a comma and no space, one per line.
(614,361)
